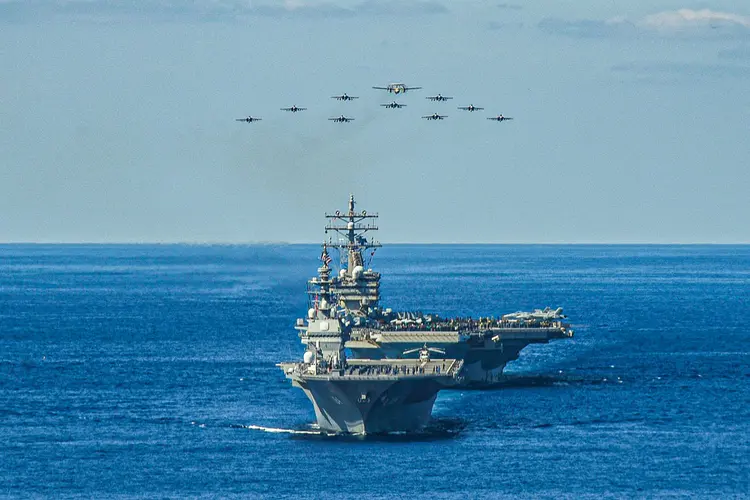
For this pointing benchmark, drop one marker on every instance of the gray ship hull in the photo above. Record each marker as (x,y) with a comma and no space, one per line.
(374,397)
(403,406)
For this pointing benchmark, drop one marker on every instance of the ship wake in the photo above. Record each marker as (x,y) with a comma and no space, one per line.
(277,430)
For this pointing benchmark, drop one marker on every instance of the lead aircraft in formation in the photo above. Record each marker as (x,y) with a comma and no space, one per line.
(435,116)
(397,88)
(249,119)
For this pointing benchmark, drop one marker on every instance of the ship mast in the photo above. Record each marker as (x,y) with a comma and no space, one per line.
(352,226)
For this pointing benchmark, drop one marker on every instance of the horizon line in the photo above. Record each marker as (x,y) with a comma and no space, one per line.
(403,243)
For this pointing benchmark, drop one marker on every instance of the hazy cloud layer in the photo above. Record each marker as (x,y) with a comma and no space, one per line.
(662,71)
(681,22)
(166,10)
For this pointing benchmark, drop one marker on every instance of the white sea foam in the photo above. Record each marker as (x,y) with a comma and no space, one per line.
(277,430)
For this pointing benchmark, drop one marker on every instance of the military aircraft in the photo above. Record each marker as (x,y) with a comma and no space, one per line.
(293,109)
(438,97)
(393,104)
(470,107)
(500,118)
(434,116)
(424,352)
(341,119)
(397,88)
(344,97)
(249,119)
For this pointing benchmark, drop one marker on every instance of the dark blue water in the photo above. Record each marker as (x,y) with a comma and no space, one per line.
(142,371)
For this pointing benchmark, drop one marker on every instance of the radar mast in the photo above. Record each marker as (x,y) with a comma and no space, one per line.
(352,226)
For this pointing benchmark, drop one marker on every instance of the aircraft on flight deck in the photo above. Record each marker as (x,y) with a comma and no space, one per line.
(397,88)
(500,118)
(434,116)
(341,119)
(344,97)
(470,107)
(393,104)
(438,97)
(293,109)
(249,119)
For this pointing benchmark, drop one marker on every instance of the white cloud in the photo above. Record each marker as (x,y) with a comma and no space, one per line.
(26,10)
(681,22)
(688,18)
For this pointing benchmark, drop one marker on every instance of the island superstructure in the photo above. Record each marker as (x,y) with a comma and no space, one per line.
(485,345)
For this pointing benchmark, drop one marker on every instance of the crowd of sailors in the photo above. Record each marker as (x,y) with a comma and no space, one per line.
(461,324)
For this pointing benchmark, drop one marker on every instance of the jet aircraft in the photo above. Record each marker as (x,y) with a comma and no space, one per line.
(249,119)
(438,97)
(344,97)
(293,109)
(500,118)
(470,107)
(434,116)
(397,88)
(393,104)
(341,119)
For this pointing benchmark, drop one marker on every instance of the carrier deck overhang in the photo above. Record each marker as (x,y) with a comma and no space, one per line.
(374,396)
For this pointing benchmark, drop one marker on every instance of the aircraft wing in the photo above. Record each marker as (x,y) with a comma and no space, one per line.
(477,109)
(466,108)
(285,109)
(411,88)
(381,88)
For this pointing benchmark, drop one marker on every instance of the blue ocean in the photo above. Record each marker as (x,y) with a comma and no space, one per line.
(148,371)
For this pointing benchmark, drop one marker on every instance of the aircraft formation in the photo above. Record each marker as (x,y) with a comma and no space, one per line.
(391,88)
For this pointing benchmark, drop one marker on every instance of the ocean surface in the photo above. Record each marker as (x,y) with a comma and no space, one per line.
(147,371)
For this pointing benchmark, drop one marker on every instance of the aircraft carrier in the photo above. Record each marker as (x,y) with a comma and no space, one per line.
(370,370)
(485,345)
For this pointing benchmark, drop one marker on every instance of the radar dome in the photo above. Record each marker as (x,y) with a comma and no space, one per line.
(308,357)
(311,313)
(350,225)
(342,273)
(357,272)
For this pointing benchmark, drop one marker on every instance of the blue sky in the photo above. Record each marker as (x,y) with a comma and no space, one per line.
(630,120)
